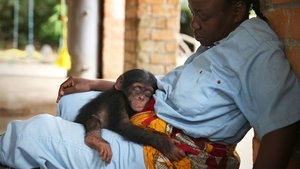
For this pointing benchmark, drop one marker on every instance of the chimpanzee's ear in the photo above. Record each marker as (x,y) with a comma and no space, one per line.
(119,82)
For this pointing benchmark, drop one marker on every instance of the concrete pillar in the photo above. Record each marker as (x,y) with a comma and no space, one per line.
(83,37)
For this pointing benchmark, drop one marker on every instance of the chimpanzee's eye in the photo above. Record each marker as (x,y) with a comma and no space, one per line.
(137,90)
(148,93)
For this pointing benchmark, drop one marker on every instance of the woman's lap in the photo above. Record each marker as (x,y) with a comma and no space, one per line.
(52,142)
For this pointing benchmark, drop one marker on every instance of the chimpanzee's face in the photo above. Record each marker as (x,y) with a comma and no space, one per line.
(138,95)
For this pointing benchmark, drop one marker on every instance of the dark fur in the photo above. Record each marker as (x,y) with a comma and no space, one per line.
(115,105)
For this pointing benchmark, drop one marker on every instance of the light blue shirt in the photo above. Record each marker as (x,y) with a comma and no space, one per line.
(244,80)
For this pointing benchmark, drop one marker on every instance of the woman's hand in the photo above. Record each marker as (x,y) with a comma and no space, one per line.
(73,85)
(76,84)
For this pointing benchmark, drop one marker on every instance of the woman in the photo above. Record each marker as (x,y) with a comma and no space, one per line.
(239,78)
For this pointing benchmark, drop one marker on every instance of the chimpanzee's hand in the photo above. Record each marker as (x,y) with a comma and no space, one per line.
(172,151)
(101,146)
(73,85)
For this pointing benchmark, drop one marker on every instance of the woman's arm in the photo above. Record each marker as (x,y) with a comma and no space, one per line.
(75,85)
(276,147)
(101,84)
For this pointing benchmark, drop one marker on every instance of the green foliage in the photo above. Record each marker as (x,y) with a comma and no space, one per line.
(52,28)
(185,18)
(4,22)
(47,23)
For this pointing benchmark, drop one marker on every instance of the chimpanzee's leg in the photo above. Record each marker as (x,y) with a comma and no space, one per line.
(93,137)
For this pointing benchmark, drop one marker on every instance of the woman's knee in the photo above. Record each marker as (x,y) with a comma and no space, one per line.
(32,127)
(36,123)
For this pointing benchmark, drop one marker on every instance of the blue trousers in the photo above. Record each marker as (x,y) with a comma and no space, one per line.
(48,141)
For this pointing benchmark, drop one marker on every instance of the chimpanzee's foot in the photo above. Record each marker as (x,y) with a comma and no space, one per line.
(100,145)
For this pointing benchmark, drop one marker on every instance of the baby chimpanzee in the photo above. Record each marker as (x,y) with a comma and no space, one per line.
(112,109)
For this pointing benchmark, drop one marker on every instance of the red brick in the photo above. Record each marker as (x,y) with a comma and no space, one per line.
(144,10)
(144,34)
(160,19)
(293,55)
(280,1)
(146,45)
(130,46)
(163,35)
(130,35)
(279,21)
(113,38)
(151,1)
(172,23)
(174,1)
(171,46)
(162,10)
(151,22)
(163,58)
(295,23)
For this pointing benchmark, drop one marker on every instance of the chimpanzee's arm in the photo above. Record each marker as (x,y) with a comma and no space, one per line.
(92,124)
(157,140)
(92,116)
(94,139)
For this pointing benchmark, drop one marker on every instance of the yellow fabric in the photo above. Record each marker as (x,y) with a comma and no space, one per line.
(155,160)
(64,59)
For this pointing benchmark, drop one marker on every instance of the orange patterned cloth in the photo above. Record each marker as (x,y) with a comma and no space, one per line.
(200,154)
